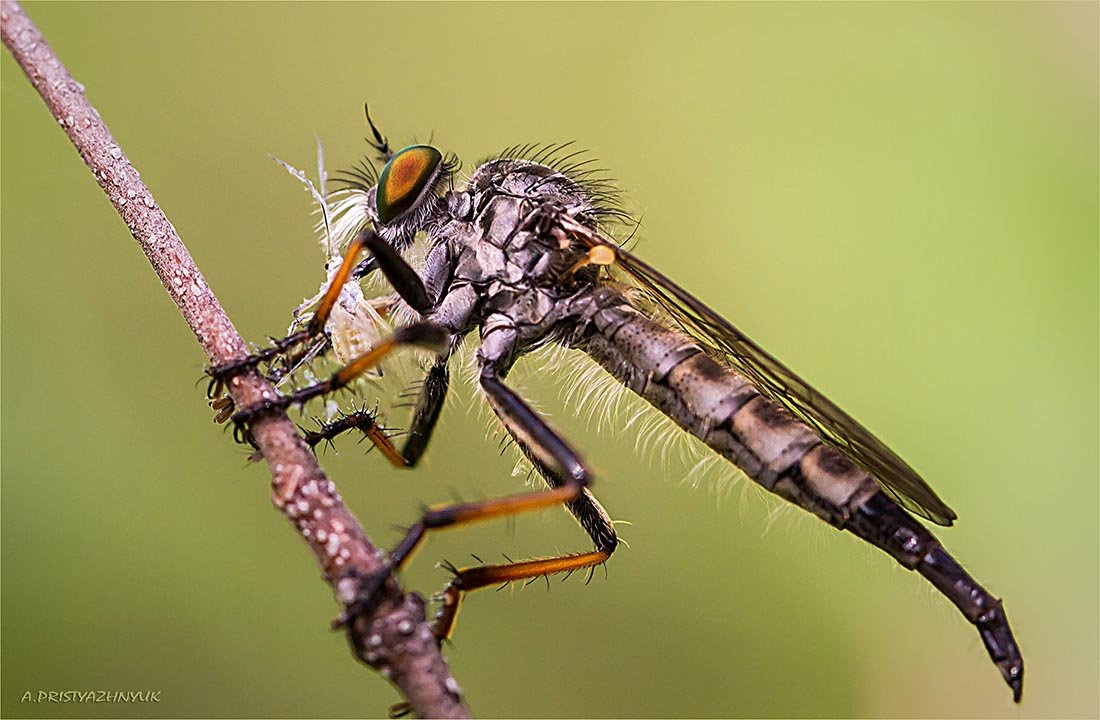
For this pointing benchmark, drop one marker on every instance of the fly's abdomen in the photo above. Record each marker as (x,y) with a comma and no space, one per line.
(725,411)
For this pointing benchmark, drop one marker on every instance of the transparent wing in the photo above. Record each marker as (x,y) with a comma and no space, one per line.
(779,383)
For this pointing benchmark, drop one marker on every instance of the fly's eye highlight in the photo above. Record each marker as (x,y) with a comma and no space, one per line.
(406,178)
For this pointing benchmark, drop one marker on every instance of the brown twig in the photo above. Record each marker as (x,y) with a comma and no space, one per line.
(394,638)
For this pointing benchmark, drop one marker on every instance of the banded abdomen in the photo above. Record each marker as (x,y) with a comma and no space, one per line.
(710,400)
(725,411)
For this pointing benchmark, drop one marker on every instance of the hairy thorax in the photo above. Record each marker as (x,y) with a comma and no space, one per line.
(508,246)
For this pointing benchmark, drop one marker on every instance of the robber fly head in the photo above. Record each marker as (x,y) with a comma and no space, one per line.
(404,197)
(408,190)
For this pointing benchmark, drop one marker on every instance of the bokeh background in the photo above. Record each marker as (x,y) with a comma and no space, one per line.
(898,200)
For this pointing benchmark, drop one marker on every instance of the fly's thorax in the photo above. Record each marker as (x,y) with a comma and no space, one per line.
(530,180)
(504,226)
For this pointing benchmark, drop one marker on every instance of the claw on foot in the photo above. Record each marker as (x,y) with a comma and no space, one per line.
(220,373)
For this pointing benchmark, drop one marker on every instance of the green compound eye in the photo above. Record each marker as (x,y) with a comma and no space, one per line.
(404,178)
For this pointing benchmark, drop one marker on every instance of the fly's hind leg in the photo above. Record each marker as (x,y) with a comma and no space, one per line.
(584,507)
(588,512)
(568,487)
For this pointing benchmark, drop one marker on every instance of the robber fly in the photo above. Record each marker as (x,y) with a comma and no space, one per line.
(520,255)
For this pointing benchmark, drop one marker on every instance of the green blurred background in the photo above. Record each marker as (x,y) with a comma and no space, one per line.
(898,200)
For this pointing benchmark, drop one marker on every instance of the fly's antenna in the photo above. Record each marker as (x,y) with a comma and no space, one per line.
(380,143)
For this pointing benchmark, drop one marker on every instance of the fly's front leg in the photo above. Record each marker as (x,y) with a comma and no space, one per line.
(220,373)
(399,274)
(290,362)
(411,289)
(425,335)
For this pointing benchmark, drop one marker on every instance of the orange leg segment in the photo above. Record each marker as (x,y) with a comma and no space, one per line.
(366,422)
(332,293)
(474,578)
(424,335)
(219,373)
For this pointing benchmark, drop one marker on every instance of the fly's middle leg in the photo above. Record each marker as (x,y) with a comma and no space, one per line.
(546,451)
(366,422)
(433,394)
